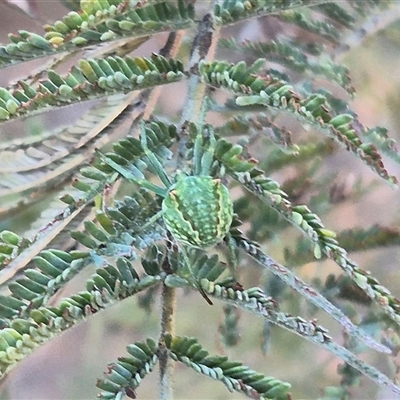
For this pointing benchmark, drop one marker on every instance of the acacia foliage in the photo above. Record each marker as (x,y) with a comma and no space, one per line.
(101,220)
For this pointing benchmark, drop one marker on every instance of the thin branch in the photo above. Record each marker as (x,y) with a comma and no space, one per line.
(309,293)
(204,46)
(167,326)
(168,314)
(168,296)
(253,300)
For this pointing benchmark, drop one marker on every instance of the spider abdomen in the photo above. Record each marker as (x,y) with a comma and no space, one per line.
(198,211)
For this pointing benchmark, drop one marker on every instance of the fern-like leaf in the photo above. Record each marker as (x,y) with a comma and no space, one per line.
(92,79)
(254,300)
(230,11)
(19,337)
(279,95)
(234,375)
(305,290)
(124,375)
(96,23)
(207,270)
(300,216)
(293,56)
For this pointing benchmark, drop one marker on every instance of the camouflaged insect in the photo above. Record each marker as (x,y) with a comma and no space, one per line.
(198,211)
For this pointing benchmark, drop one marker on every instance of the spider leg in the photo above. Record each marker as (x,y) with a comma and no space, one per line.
(203,157)
(158,168)
(151,221)
(232,255)
(195,281)
(207,158)
(130,176)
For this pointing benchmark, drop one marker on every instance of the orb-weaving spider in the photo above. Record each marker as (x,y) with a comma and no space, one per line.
(197,209)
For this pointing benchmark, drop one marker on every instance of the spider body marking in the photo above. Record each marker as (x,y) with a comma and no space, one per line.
(198,211)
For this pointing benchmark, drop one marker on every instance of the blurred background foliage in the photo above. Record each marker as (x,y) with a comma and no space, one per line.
(343,192)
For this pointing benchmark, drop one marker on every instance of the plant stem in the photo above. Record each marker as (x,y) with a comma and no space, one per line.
(310,294)
(168,312)
(168,296)
(170,49)
(204,46)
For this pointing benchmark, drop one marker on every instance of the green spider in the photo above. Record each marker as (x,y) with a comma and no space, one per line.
(197,209)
